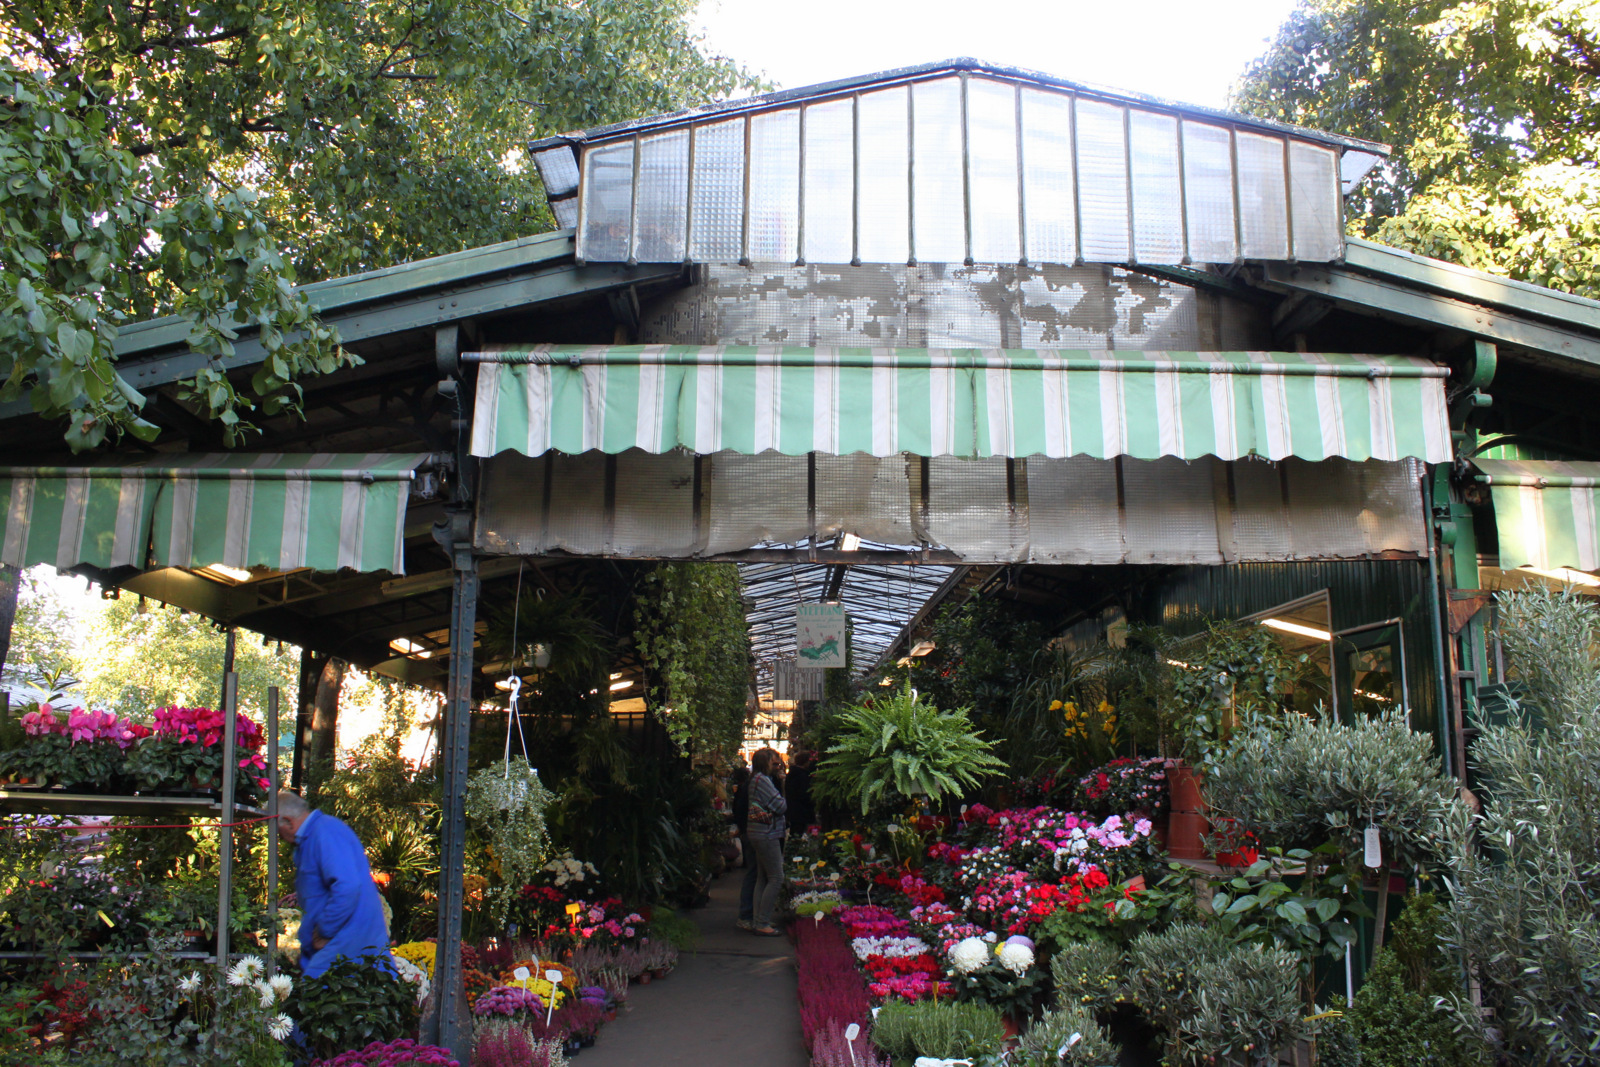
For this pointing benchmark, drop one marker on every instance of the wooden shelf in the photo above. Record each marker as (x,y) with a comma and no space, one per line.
(103,955)
(46,802)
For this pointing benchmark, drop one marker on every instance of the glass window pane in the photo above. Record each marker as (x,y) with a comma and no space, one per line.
(558,170)
(885,153)
(566,212)
(607,202)
(717,215)
(992,159)
(1263,215)
(663,192)
(1157,198)
(1051,206)
(1102,182)
(940,216)
(1315,202)
(830,181)
(775,186)
(1208,189)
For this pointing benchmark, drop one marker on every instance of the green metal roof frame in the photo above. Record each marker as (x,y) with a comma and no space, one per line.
(1378,280)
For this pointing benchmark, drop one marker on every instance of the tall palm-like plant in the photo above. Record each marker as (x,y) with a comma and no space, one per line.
(900,745)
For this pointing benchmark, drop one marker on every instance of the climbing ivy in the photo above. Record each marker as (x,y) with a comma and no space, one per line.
(693,637)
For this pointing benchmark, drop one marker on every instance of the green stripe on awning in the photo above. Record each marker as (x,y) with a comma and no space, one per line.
(1547,512)
(959,402)
(278,510)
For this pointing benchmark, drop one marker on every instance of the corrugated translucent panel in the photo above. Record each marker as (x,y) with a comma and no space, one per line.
(558,170)
(968,510)
(992,163)
(1157,196)
(885,222)
(866,496)
(608,202)
(1208,188)
(1050,204)
(717,208)
(1263,212)
(830,182)
(566,212)
(1171,511)
(1102,182)
(1314,202)
(1073,516)
(939,212)
(775,186)
(654,508)
(753,499)
(663,197)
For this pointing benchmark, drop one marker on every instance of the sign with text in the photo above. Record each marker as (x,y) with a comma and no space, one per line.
(819,635)
(790,681)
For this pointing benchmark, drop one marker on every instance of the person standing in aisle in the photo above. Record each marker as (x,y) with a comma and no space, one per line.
(765,833)
(341,913)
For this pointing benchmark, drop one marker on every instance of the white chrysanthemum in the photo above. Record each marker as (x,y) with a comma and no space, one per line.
(265,994)
(239,974)
(1016,958)
(280,1027)
(282,984)
(969,955)
(189,984)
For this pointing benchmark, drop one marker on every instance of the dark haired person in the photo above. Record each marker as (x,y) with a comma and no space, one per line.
(765,835)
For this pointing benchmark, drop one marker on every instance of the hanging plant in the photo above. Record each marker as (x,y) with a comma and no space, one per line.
(693,636)
(506,804)
(556,634)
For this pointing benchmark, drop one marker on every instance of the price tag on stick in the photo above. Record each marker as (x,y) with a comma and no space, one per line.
(852,1032)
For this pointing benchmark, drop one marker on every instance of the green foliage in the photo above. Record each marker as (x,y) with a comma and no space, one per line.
(262,143)
(1337,1045)
(1054,724)
(133,662)
(667,925)
(506,805)
(1073,1029)
(1394,1016)
(1491,108)
(41,651)
(693,636)
(1229,672)
(983,653)
(352,1004)
(1089,974)
(577,645)
(1217,1000)
(1525,878)
(1314,781)
(148,1019)
(899,745)
(941,1029)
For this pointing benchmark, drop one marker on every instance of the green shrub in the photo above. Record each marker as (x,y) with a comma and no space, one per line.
(668,925)
(943,1030)
(1394,1016)
(1088,974)
(1042,1045)
(352,1004)
(1337,1045)
(1217,1000)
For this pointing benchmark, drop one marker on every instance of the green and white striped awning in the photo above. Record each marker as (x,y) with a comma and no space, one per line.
(965,402)
(1547,512)
(277,510)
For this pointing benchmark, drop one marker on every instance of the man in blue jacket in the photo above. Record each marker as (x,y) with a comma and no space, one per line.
(341,913)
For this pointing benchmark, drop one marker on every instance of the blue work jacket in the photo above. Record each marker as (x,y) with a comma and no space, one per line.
(338,898)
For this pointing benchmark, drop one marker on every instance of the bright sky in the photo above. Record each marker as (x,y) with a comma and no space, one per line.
(1189,51)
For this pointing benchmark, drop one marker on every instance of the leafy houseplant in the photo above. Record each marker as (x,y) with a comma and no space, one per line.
(507,805)
(354,1003)
(901,747)
(185,752)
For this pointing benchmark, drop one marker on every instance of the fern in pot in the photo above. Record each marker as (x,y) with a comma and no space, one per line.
(901,747)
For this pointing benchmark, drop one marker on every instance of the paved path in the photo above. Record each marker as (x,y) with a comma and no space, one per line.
(730,1004)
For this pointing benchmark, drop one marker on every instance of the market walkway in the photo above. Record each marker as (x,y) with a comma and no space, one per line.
(731,1003)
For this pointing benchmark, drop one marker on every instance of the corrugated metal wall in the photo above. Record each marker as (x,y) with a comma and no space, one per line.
(1359,592)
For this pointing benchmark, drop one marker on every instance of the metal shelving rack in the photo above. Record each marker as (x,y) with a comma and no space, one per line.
(45,802)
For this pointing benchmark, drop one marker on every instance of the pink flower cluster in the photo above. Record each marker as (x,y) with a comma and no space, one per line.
(909,975)
(870,920)
(80,725)
(205,726)
(392,1054)
(944,926)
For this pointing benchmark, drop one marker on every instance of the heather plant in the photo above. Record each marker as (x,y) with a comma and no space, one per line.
(1068,1036)
(831,990)
(831,1048)
(403,1052)
(1525,874)
(503,1043)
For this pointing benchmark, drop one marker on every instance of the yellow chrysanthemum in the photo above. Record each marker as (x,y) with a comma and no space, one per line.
(1055,705)
(421,953)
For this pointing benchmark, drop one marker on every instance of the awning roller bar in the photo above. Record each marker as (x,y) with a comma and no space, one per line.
(246,474)
(946,359)
(1540,481)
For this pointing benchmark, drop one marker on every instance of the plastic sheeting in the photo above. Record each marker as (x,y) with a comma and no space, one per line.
(1067,511)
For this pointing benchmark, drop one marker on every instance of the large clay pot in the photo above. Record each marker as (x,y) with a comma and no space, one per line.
(1187,823)
(1183,788)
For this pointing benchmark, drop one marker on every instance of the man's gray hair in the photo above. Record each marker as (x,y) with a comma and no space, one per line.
(292,805)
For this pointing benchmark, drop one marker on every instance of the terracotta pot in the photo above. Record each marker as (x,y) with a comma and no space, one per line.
(1011,1027)
(1186,829)
(1183,788)
(644,978)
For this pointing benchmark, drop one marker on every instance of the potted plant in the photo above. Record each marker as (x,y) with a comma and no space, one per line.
(184,752)
(78,749)
(900,748)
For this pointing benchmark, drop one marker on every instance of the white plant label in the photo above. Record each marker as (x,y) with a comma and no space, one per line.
(1374,848)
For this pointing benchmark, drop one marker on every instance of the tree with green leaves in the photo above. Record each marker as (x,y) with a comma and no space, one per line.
(1492,107)
(200,159)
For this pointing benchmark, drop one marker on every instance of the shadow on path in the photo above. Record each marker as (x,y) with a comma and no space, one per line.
(730,1003)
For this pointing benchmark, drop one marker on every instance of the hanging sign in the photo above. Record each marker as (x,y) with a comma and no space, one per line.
(819,635)
(790,681)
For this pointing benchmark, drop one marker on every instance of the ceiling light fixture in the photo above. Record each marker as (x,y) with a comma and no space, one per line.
(922,648)
(626,683)
(1565,574)
(849,543)
(1297,628)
